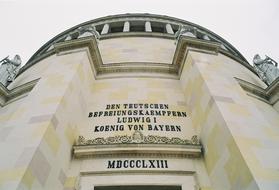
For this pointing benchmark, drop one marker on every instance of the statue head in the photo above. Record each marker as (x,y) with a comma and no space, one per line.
(257,60)
(17,60)
(256,57)
(17,57)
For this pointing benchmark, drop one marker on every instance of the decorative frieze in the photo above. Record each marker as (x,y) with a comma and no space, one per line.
(137,145)
(138,138)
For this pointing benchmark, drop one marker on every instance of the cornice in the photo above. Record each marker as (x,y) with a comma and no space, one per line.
(133,172)
(268,95)
(114,70)
(137,145)
(186,44)
(136,150)
(7,96)
(47,48)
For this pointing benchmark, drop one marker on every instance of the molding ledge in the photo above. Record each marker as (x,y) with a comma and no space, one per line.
(268,95)
(186,44)
(133,172)
(116,70)
(7,96)
(137,150)
(137,145)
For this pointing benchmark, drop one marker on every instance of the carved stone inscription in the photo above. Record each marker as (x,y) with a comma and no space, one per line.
(118,164)
(137,117)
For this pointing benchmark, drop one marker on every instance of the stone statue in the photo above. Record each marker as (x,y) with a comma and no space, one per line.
(83,31)
(9,69)
(266,68)
(185,31)
(88,31)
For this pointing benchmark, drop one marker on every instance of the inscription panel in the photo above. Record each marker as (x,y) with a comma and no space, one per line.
(149,123)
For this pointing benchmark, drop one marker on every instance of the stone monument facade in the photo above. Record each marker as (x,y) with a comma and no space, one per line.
(139,101)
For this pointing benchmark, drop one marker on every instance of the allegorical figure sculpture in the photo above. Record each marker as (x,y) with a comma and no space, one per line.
(185,31)
(83,31)
(9,69)
(266,68)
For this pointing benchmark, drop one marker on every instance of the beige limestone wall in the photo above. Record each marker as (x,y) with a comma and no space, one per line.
(39,136)
(137,49)
(120,91)
(37,132)
(148,91)
(232,128)
(38,148)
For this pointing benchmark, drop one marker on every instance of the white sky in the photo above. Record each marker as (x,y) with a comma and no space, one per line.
(251,26)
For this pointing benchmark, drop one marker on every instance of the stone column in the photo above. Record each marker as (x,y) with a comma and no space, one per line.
(148,26)
(105,29)
(126,27)
(169,29)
